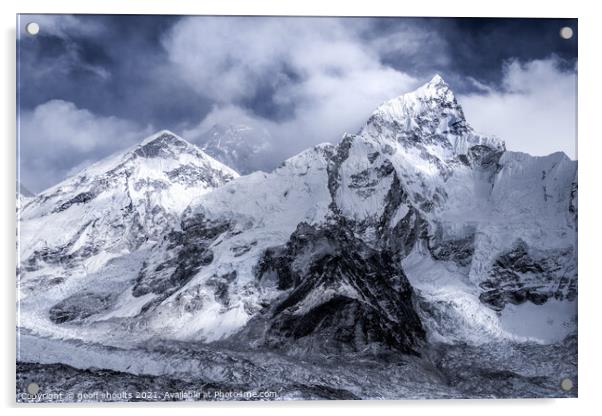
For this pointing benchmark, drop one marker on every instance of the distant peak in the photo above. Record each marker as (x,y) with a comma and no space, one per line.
(164,136)
(238,130)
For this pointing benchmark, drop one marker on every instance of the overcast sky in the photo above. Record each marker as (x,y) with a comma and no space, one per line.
(92,85)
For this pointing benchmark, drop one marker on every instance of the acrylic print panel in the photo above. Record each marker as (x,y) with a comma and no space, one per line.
(291,208)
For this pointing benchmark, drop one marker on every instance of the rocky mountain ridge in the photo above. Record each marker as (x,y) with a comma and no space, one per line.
(417,230)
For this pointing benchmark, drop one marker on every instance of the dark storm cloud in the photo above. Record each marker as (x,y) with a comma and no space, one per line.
(115,68)
(305,80)
(463,48)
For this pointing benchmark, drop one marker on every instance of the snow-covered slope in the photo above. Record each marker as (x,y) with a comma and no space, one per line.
(415,229)
(116,206)
(418,183)
(242,147)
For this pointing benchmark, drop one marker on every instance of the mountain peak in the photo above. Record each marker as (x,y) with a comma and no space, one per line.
(164,136)
(436,89)
(433,99)
(428,116)
(164,143)
(437,80)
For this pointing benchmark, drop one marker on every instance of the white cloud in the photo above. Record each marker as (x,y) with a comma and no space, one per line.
(327,76)
(326,108)
(410,41)
(224,115)
(227,58)
(60,135)
(339,79)
(534,112)
(319,67)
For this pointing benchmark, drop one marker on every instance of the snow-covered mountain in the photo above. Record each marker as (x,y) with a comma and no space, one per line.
(116,206)
(414,231)
(240,146)
(479,232)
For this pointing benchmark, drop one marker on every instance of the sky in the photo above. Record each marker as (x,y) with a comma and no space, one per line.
(92,85)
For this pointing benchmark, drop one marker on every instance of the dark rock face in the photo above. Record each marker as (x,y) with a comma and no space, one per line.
(336,157)
(80,306)
(192,248)
(160,147)
(484,157)
(190,175)
(524,274)
(81,198)
(573,203)
(399,238)
(97,186)
(342,296)
(458,250)
(365,179)
(63,255)
(221,286)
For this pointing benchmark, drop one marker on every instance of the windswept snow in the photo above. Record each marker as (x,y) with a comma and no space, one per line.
(163,242)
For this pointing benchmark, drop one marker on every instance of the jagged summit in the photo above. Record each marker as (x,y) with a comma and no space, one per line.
(428,117)
(437,89)
(434,97)
(164,143)
(164,136)
(437,80)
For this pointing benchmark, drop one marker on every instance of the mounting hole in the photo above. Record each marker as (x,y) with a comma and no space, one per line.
(566,33)
(33,388)
(566,384)
(32,28)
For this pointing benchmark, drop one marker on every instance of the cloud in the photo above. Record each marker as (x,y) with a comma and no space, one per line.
(534,109)
(326,107)
(332,78)
(58,139)
(413,46)
(225,115)
(319,73)
(69,32)
(304,80)
(228,59)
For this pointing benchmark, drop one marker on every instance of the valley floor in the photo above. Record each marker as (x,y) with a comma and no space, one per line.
(165,371)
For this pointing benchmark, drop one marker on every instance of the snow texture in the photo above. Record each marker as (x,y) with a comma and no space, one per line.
(414,238)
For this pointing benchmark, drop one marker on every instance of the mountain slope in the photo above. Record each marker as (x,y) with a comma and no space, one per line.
(116,206)
(418,184)
(417,229)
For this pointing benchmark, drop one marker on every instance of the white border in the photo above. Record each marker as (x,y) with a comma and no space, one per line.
(590,174)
